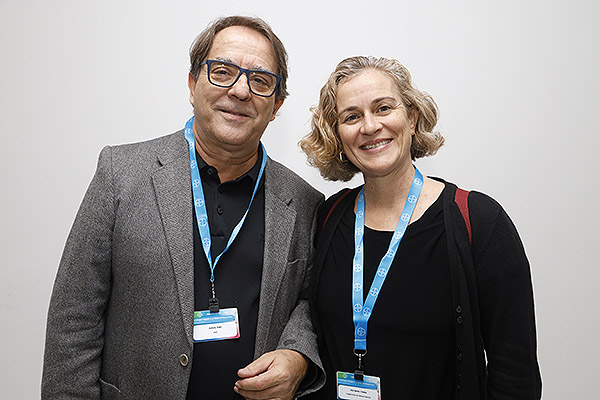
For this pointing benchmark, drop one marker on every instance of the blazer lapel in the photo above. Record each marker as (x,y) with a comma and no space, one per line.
(173,194)
(279,223)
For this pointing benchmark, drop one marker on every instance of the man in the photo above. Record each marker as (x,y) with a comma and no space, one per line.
(189,255)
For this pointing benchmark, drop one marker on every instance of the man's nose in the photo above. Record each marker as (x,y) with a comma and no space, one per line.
(241,89)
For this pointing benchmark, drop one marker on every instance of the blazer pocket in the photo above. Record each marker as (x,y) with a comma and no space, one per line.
(291,287)
(108,391)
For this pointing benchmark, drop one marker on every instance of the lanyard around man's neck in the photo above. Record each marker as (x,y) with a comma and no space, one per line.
(202,214)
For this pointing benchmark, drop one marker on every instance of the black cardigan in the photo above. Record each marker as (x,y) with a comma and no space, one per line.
(492,296)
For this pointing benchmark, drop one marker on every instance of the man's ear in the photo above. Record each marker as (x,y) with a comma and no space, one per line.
(192,87)
(276,107)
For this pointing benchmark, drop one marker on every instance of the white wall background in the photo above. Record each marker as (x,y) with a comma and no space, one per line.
(516,81)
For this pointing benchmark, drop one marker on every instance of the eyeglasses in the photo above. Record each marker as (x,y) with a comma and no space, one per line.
(225,74)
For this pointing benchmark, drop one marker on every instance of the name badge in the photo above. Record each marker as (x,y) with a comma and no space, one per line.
(349,388)
(221,325)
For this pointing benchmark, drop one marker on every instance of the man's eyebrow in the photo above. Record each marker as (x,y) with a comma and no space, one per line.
(229,60)
(254,67)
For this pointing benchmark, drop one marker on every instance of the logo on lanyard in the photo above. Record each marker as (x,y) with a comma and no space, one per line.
(362,311)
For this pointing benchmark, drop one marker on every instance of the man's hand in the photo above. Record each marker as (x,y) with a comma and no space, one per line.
(275,375)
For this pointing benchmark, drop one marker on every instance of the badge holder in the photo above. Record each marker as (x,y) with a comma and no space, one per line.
(215,323)
(357,385)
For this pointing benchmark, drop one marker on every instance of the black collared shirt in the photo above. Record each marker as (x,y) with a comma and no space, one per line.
(237,278)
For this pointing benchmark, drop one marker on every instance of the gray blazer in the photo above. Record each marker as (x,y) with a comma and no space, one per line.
(120,318)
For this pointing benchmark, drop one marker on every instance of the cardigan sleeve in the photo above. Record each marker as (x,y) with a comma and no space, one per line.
(506,304)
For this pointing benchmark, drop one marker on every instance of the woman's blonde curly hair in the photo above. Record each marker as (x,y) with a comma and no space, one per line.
(323,146)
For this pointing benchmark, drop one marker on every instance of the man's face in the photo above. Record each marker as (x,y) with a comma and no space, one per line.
(233,119)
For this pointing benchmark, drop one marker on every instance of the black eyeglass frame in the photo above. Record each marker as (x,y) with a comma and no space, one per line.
(242,71)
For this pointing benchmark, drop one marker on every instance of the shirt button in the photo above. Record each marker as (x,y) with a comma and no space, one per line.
(459,320)
(458,309)
(210,171)
(220,210)
(184,360)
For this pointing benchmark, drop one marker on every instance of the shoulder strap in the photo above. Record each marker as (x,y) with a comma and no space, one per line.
(335,204)
(462,199)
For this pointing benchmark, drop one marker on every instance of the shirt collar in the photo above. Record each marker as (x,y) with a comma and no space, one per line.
(252,174)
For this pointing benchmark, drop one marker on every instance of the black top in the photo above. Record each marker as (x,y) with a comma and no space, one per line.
(237,278)
(491,293)
(410,340)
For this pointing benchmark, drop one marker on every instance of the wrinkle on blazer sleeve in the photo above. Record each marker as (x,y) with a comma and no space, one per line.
(75,326)
(299,333)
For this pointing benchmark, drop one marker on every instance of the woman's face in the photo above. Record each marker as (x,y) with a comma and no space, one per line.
(373,124)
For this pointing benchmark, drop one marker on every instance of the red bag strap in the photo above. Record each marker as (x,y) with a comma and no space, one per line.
(335,204)
(462,199)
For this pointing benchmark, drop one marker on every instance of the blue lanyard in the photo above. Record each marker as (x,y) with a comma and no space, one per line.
(200,203)
(362,312)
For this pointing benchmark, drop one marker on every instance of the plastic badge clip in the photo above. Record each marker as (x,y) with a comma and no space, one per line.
(359,372)
(213,303)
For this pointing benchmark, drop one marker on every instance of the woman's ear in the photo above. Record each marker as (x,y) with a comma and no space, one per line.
(413,118)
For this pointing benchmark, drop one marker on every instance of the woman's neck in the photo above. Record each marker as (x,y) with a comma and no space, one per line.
(380,191)
(385,198)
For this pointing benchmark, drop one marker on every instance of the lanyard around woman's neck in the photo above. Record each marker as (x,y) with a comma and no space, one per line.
(362,311)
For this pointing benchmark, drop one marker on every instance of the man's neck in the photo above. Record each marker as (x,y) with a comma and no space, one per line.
(229,165)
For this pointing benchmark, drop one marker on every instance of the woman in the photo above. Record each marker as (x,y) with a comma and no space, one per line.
(455,317)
